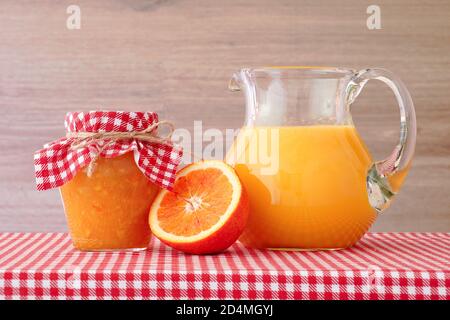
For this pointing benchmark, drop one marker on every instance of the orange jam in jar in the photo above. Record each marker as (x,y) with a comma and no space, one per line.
(109,168)
(109,210)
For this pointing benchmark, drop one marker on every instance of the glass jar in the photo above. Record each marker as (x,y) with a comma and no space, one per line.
(109,168)
(109,210)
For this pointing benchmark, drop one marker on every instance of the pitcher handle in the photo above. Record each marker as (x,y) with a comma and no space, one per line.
(385,177)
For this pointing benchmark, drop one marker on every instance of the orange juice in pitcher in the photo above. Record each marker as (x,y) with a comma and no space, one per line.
(311,181)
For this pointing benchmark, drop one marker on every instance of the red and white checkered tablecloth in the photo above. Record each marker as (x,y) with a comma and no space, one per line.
(380,266)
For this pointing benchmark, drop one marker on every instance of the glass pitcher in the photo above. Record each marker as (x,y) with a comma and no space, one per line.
(311,180)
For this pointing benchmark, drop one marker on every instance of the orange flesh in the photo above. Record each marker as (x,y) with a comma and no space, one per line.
(196,204)
(109,210)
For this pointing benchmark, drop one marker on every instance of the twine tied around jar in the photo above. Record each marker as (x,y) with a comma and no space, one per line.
(82,139)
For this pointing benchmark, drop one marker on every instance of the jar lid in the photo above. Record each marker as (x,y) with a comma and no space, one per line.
(108,134)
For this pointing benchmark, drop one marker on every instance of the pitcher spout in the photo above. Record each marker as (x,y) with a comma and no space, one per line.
(235,82)
(241,80)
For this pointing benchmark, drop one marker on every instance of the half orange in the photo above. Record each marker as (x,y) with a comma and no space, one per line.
(205,212)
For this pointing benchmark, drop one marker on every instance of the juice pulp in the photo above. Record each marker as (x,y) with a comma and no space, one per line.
(109,210)
(317,196)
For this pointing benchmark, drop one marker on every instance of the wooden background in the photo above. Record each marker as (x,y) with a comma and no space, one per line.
(176,57)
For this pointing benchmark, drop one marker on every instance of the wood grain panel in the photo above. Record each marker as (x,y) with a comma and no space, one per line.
(176,57)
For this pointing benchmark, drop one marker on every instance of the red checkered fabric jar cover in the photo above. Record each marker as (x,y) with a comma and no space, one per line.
(57,163)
